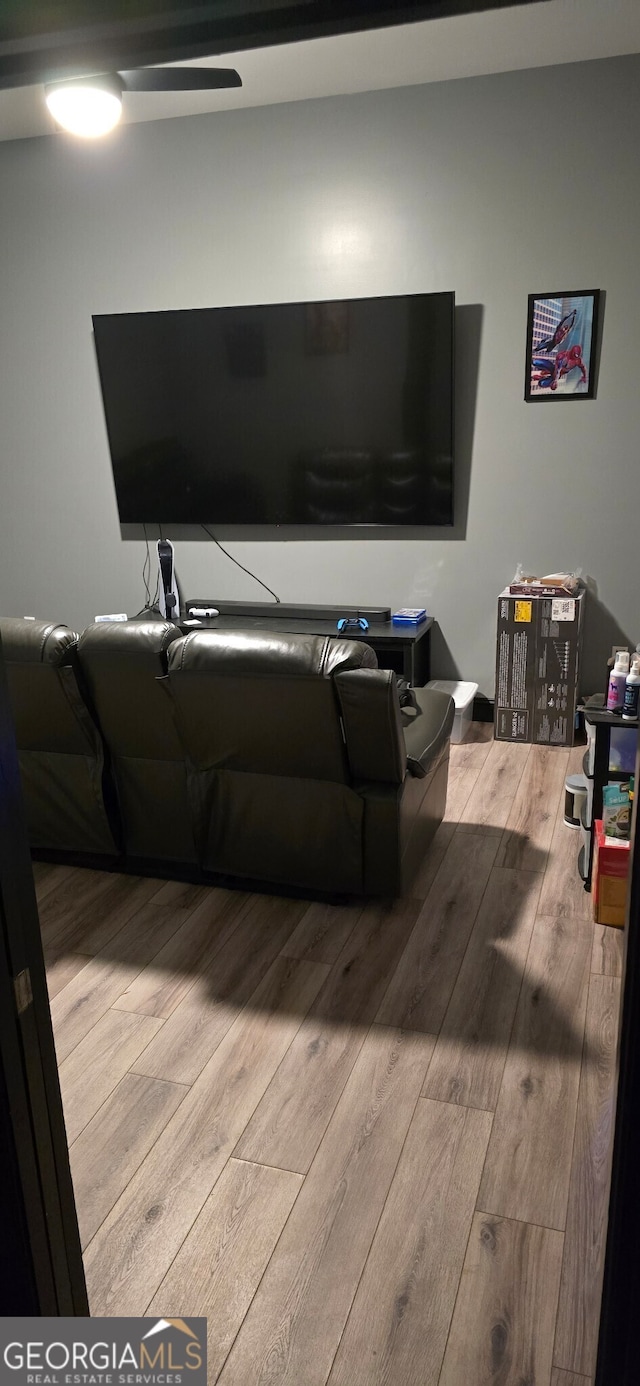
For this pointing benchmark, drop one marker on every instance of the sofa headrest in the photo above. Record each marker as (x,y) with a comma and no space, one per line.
(262,652)
(36,642)
(128,643)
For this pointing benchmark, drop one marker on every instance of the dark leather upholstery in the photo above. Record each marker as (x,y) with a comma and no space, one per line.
(372,723)
(257,716)
(121,663)
(401,820)
(59,745)
(298,761)
(264,702)
(425,723)
(282,758)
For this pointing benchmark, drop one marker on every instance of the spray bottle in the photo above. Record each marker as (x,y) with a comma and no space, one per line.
(617,682)
(632,692)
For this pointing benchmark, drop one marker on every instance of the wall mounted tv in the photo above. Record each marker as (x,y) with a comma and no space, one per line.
(322,413)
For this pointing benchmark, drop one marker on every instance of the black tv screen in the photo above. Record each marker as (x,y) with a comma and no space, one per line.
(322,413)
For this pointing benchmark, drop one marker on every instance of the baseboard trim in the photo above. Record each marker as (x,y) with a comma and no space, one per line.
(483,708)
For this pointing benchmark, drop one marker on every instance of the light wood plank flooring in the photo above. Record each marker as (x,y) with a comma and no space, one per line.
(370,1142)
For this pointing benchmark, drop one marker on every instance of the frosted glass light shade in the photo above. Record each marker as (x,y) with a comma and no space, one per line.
(87,108)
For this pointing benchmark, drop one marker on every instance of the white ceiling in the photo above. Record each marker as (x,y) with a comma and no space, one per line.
(535,35)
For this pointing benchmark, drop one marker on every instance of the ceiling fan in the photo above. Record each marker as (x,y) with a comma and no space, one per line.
(91,106)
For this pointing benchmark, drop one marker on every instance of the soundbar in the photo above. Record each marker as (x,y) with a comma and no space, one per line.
(375,615)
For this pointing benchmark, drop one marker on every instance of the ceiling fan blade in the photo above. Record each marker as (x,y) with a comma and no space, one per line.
(180,78)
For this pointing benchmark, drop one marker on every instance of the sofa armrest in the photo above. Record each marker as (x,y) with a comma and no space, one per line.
(370,713)
(427,724)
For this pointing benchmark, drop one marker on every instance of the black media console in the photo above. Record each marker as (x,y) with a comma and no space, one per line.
(406,649)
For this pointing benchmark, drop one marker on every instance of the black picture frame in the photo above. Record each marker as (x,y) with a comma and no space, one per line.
(562,332)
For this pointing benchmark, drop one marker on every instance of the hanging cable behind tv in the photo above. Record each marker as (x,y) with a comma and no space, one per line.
(169,600)
(238,564)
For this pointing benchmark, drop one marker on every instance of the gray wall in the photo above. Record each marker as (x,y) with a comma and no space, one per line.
(495,187)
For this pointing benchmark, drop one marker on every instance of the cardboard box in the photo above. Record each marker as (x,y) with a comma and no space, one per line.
(537,589)
(609,878)
(537,667)
(566,586)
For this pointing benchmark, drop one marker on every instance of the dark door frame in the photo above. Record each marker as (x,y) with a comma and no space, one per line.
(40,1254)
(619,1342)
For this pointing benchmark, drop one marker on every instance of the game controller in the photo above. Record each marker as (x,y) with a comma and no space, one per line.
(347,623)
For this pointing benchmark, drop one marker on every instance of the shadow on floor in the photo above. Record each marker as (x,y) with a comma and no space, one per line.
(414,955)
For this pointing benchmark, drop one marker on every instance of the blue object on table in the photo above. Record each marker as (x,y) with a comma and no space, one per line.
(352,623)
(409,616)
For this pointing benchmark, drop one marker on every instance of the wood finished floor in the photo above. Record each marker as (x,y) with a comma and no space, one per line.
(370,1142)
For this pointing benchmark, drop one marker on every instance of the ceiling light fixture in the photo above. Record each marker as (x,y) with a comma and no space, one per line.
(91,106)
(86,106)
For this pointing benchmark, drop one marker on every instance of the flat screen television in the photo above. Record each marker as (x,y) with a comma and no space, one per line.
(320,413)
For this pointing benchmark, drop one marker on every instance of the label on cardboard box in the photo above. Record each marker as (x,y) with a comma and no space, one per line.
(512,726)
(550,732)
(563,609)
(537,668)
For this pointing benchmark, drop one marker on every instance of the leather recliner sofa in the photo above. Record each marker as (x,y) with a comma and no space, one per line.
(121,663)
(275,758)
(299,766)
(61,750)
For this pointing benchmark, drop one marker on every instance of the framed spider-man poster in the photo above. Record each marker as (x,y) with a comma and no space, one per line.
(561,345)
